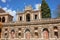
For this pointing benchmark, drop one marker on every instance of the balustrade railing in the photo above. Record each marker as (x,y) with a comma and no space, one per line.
(29,39)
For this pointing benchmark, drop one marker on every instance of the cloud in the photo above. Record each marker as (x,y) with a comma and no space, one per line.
(4,1)
(37,6)
(5,8)
(11,12)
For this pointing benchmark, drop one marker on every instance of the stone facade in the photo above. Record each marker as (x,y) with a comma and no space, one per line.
(29,25)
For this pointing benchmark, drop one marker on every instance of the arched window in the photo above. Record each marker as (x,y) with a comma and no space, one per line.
(6,29)
(45,33)
(0,19)
(27,34)
(28,17)
(3,19)
(56,31)
(19,34)
(0,30)
(20,18)
(35,16)
(36,28)
(6,35)
(19,29)
(36,34)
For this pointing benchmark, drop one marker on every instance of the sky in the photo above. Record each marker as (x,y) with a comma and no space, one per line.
(12,6)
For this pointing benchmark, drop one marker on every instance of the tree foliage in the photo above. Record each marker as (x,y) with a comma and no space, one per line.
(46,13)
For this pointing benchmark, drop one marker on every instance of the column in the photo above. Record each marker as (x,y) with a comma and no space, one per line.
(39,15)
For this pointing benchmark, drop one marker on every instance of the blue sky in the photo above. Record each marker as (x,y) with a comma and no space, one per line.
(13,5)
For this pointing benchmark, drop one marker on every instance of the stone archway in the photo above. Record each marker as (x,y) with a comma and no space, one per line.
(27,34)
(12,33)
(45,33)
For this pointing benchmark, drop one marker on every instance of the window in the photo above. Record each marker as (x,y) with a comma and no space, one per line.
(28,17)
(3,19)
(19,28)
(35,16)
(55,27)
(36,34)
(0,19)
(0,30)
(36,28)
(55,31)
(19,34)
(6,29)
(20,18)
(5,34)
(56,34)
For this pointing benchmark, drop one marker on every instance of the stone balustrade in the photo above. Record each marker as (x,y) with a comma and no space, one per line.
(41,21)
(30,39)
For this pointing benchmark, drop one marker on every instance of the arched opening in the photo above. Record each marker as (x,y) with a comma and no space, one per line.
(27,34)
(45,33)
(55,27)
(55,31)
(6,35)
(36,35)
(35,16)
(12,33)
(28,17)
(0,19)
(27,30)
(3,19)
(20,18)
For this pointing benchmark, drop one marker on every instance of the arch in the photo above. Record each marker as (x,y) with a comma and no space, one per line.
(3,19)
(55,27)
(0,19)
(6,35)
(45,33)
(36,35)
(28,17)
(27,34)
(27,30)
(45,29)
(12,34)
(12,31)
